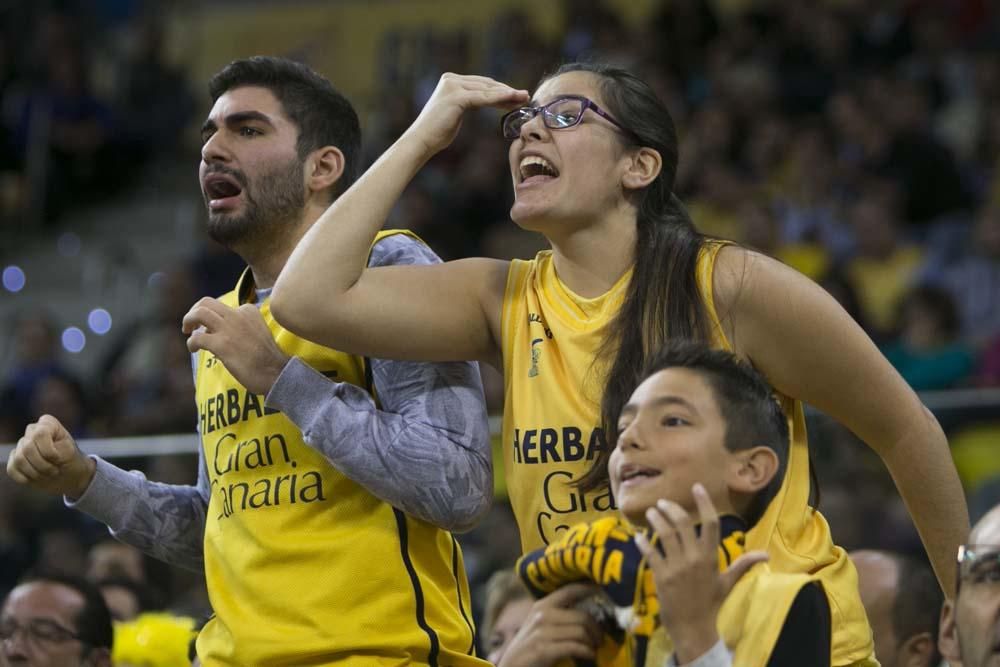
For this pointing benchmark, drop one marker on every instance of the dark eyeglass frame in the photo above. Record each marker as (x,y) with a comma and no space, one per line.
(40,630)
(548,118)
(969,555)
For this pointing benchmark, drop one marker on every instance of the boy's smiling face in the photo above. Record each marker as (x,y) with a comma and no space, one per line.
(672,434)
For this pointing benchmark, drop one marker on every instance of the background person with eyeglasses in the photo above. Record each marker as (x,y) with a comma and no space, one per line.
(970,623)
(55,622)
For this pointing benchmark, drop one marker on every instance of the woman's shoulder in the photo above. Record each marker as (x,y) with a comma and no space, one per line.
(740,273)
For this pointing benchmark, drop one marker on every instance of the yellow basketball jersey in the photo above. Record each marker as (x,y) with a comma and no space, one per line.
(550,431)
(751,618)
(303,566)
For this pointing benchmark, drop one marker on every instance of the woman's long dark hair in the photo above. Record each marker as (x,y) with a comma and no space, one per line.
(663,300)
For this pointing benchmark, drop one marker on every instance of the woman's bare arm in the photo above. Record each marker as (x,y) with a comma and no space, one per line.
(440,313)
(810,348)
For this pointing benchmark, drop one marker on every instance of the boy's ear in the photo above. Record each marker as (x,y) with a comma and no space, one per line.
(643,169)
(324,167)
(752,469)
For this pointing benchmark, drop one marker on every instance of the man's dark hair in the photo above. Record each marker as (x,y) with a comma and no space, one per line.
(917,607)
(322,114)
(93,623)
(752,415)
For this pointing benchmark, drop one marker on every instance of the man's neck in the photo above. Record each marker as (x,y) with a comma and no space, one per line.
(268,257)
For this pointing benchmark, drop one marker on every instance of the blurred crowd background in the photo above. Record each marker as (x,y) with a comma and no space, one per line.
(857,141)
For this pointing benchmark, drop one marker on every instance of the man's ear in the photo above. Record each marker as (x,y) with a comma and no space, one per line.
(324,167)
(917,651)
(750,470)
(948,636)
(643,169)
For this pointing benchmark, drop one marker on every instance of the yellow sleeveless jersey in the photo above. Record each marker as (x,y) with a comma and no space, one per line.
(303,566)
(550,337)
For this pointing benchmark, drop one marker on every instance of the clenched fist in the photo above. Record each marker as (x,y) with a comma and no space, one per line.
(47,458)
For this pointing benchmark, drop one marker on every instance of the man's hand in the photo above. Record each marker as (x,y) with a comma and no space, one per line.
(555,629)
(688,582)
(47,458)
(239,338)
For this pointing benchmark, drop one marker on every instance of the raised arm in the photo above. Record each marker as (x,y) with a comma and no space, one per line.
(164,520)
(447,312)
(426,449)
(810,348)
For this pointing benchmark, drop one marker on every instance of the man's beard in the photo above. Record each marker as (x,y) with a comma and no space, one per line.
(276,201)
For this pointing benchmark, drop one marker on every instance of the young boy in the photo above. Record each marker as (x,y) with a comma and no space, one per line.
(702,434)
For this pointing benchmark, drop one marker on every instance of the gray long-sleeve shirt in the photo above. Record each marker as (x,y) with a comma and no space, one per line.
(425,451)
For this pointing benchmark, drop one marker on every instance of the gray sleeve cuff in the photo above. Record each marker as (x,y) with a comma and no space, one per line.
(717,656)
(110,493)
(298,390)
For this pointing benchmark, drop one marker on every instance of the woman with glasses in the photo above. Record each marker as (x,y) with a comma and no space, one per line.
(593,156)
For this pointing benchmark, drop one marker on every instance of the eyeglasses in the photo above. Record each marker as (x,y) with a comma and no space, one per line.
(979,565)
(39,630)
(561,113)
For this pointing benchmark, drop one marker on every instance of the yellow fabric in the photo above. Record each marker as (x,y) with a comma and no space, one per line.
(882,284)
(974,449)
(810,259)
(303,566)
(547,415)
(745,628)
(153,639)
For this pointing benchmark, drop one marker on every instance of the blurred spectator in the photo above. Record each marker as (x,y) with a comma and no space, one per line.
(56,621)
(63,128)
(715,206)
(63,397)
(126,598)
(903,602)
(111,560)
(685,29)
(973,280)
(154,98)
(15,556)
(988,373)
(761,231)
(969,630)
(148,376)
(515,52)
(928,353)
(507,605)
(36,349)
(885,264)
(805,190)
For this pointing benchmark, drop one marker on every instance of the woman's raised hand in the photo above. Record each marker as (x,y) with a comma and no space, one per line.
(439,122)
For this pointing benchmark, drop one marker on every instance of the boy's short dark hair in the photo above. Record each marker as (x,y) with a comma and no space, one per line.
(745,401)
(322,114)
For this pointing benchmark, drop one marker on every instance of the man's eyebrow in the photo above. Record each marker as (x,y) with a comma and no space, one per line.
(244,116)
(235,119)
